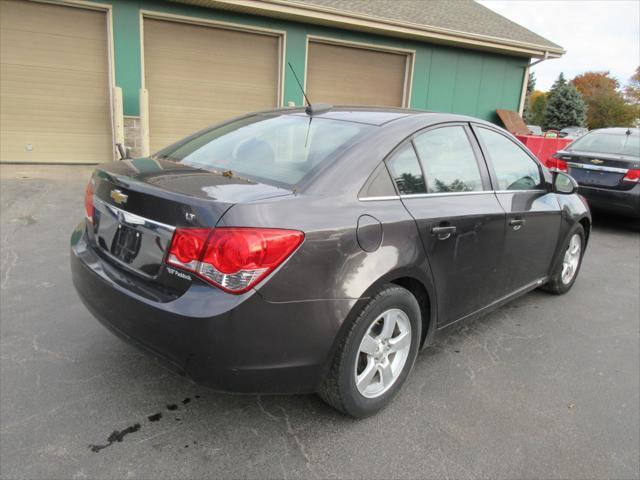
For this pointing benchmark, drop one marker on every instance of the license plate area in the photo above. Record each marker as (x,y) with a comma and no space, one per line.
(126,243)
(134,242)
(602,178)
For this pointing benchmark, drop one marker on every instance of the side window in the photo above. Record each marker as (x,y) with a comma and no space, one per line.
(514,169)
(448,160)
(406,172)
(378,184)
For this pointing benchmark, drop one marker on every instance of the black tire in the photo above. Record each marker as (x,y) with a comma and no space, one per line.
(555,284)
(339,387)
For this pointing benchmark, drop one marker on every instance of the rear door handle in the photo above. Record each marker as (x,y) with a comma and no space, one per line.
(516,223)
(443,232)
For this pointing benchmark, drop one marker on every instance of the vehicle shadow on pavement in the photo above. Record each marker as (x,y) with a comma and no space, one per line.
(612,223)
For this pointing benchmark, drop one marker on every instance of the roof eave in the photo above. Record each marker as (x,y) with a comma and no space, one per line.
(320,15)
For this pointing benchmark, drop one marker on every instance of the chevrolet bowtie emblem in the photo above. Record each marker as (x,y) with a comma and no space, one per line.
(118,197)
(597,161)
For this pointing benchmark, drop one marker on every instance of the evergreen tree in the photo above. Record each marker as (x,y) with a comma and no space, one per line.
(531,86)
(565,107)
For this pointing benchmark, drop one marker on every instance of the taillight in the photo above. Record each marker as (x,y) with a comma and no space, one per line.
(233,259)
(557,165)
(558,162)
(88,201)
(561,166)
(633,175)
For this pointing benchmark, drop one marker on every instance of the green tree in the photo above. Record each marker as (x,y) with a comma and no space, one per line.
(537,107)
(531,86)
(565,106)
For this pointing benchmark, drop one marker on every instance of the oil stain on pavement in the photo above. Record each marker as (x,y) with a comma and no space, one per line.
(118,435)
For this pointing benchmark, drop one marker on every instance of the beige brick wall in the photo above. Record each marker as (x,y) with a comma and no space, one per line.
(133,136)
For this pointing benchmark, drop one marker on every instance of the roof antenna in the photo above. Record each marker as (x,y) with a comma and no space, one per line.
(299,84)
(316,108)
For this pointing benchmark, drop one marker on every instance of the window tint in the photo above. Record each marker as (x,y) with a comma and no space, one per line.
(448,160)
(514,169)
(599,142)
(406,172)
(276,148)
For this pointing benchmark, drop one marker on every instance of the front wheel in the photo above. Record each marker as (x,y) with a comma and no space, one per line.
(376,354)
(567,270)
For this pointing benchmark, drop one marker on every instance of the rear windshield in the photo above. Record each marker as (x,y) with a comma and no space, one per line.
(273,149)
(608,143)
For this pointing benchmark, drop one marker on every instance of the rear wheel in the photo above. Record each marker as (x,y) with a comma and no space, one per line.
(567,270)
(376,355)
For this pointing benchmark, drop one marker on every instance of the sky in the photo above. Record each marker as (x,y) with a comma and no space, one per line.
(597,35)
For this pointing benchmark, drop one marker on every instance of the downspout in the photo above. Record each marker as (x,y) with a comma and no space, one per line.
(525,82)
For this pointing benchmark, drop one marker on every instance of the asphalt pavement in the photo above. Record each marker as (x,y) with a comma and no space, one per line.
(546,387)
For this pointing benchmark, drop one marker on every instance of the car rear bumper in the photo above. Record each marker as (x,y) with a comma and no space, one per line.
(237,343)
(624,202)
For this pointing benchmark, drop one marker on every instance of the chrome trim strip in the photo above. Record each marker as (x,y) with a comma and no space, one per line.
(518,191)
(445,194)
(133,219)
(586,166)
(374,199)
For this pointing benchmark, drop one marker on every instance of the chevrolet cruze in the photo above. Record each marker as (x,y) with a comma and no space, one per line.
(319,249)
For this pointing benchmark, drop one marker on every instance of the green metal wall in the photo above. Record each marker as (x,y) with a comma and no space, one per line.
(445,79)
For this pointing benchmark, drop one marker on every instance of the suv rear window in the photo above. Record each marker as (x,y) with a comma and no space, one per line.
(280,149)
(615,144)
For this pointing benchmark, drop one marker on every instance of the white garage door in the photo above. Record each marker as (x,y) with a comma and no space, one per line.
(197,75)
(350,75)
(54,84)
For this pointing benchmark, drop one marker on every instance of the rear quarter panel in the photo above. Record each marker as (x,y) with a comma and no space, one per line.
(330,263)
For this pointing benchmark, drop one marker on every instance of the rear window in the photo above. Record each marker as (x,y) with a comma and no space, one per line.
(608,143)
(274,149)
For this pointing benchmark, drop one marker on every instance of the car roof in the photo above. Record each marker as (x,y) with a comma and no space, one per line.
(370,115)
(378,116)
(618,131)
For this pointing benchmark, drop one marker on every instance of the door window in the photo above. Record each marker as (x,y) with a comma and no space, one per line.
(406,171)
(448,160)
(514,169)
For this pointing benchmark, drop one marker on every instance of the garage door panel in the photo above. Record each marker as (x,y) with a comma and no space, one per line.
(44,51)
(54,84)
(347,75)
(80,23)
(40,122)
(199,75)
(43,82)
(77,147)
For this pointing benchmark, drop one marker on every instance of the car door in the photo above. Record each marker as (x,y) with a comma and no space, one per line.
(532,212)
(447,190)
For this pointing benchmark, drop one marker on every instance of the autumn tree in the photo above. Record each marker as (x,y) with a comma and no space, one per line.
(632,90)
(606,105)
(565,106)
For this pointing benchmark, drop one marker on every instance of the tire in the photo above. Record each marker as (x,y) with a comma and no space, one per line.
(394,354)
(556,284)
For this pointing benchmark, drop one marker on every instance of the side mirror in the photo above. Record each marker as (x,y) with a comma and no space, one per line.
(564,183)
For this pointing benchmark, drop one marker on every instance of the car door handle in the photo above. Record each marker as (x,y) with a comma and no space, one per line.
(443,232)
(516,223)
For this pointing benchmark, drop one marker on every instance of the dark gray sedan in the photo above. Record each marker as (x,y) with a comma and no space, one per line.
(606,165)
(319,249)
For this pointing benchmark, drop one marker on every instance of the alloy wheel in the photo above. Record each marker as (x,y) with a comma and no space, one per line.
(383,353)
(571,259)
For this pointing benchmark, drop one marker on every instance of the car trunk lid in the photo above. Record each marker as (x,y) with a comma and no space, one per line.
(139,203)
(598,169)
